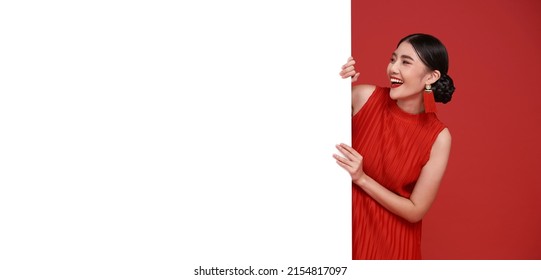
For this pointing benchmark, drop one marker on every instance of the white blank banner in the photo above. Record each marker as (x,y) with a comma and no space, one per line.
(143,139)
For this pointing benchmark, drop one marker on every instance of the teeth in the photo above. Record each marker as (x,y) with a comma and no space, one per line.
(397,81)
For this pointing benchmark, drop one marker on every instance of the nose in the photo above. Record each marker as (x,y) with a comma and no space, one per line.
(393,68)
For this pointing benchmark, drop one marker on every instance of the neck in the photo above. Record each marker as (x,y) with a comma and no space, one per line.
(412,104)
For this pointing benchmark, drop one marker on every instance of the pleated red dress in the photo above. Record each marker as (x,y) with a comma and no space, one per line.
(395,146)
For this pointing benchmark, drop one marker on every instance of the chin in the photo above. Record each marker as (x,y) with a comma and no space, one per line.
(394,94)
(401,92)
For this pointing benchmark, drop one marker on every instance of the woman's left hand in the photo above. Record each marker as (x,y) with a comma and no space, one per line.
(352,162)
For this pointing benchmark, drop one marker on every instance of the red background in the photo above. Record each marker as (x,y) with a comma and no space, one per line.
(489,204)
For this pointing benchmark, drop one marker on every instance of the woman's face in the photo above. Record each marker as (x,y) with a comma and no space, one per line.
(407,73)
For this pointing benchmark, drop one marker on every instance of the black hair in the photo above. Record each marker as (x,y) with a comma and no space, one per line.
(434,55)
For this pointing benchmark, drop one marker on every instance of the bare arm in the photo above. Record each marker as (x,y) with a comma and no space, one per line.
(359,96)
(414,208)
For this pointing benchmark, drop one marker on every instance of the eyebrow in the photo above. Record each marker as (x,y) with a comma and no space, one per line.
(405,56)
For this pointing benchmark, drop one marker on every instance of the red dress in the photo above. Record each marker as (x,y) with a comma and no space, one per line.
(395,146)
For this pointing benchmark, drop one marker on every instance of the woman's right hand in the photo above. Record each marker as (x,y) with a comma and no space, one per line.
(348,70)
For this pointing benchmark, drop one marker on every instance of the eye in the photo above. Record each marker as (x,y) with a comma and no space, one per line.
(406,62)
(392,59)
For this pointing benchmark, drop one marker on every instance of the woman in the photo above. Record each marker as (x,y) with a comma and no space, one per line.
(399,150)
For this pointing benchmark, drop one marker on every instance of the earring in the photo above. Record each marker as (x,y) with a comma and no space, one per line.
(428,100)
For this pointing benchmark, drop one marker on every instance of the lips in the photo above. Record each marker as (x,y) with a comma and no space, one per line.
(395,82)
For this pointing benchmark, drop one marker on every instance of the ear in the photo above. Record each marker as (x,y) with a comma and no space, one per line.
(433,76)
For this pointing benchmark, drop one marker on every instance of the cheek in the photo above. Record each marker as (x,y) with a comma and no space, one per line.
(417,75)
(412,77)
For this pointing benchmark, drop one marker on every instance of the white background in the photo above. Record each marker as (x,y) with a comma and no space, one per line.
(143,139)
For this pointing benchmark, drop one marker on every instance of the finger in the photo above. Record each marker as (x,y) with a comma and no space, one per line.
(350,156)
(345,163)
(348,64)
(348,72)
(346,167)
(354,78)
(351,150)
(351,169)
(351,73)
(350,68)
(346,75)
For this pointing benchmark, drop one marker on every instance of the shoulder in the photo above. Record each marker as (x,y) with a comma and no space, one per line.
(443,141)
(359,96)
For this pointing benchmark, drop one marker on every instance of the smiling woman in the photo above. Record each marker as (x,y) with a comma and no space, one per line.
(399,150)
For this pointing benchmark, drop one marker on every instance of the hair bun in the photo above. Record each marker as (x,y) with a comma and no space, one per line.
(443,89)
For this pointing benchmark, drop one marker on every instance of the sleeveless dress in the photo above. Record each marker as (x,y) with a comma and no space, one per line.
(395,146)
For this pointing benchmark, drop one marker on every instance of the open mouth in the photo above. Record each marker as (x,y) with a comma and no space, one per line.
(396,82)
